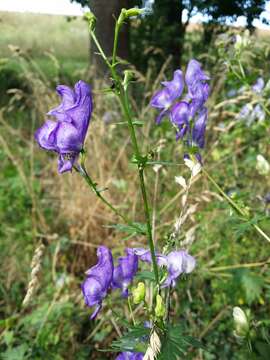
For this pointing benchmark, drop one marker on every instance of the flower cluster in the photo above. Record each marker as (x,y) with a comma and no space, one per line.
(189,115)
(66,135)
(251,113)
(104,275)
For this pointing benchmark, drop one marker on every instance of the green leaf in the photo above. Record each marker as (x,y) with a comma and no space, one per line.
(175,344)
(132,229)
(263,349)
(252,285)
(16,353)
(132,340)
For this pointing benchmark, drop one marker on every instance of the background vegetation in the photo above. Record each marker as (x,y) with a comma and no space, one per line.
(37,204)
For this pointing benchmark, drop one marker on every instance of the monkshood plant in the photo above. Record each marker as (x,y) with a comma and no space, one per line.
(151,334)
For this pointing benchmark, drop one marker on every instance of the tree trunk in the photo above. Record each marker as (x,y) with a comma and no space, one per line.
(106,12)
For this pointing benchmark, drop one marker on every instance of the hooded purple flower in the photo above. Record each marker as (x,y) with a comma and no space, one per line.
(127,355)
(178,262)
(125,271)
(98,281)
(189,115)
(66,135)
(163,99)
(258,86)
(198,89)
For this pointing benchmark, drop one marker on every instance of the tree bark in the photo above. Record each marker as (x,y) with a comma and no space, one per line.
(106,12)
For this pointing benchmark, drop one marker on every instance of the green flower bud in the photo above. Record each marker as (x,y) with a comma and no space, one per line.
(138,293)
(241,322)
(125,14)
(160,308)
(128,76)
(91,19)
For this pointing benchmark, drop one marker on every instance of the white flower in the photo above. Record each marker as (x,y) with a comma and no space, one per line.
(262,165)
(241,322)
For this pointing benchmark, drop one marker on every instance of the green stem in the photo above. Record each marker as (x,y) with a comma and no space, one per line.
(234,205)
(131,312)
(115,43)
(122,94)
(125,106)
(93,35)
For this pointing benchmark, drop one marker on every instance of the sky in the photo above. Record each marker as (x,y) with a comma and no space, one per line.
(65,7)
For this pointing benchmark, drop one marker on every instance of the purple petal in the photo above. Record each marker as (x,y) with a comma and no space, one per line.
(125,271)
(162,99)
(68,99)
(176,86)
(194,73)
(67,138)
(198,131)
(98,281)
(179,116)
(96,311)
(161,115)
(179,262)
(45,135)
(258,86)
(66,162)
(128,355)
(145,255)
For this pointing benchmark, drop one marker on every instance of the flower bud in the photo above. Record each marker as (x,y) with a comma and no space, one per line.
(262,165)
(138,293)
(91,19)
(240,321)
(160,308)
(128,76)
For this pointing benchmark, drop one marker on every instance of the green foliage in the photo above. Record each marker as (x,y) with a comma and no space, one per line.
(175,344)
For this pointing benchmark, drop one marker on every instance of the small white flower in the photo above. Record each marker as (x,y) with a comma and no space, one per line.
(262,165)
(241,322)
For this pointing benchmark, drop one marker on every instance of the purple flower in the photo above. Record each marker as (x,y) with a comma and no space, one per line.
(127,355)
(163,99)
(178,262)
(66,135)
(189,115)
(194,73)
(198,89)
(198,131)
(258,86)
(98,281)
(125,271)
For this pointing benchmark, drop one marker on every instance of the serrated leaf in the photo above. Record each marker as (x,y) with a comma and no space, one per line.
(132,229)
(175,344)
(252,285)
(134,340)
